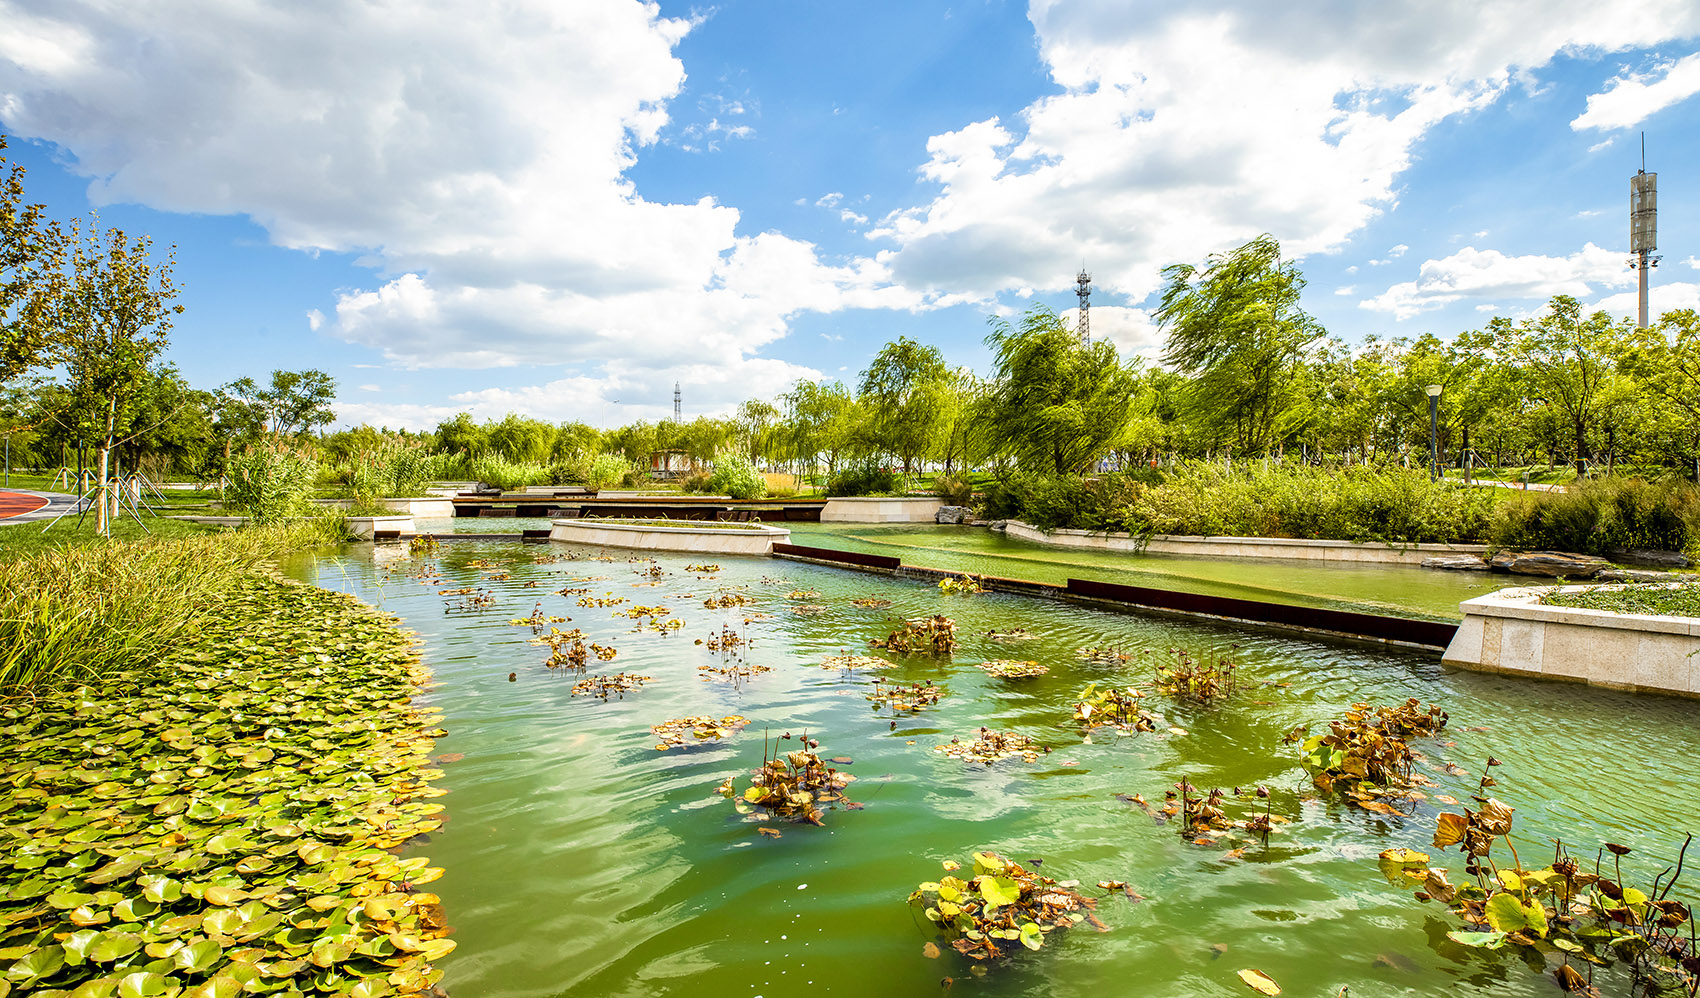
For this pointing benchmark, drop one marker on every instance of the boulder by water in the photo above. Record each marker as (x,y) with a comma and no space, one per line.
(1649,558)
(1457,563)
(1643,575)
(952,514)
(1549,563)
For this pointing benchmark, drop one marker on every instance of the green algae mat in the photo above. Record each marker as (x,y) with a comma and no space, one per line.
(233,822)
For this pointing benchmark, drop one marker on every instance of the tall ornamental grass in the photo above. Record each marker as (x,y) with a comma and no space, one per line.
(93,612)
(270,483)
(504,473)
(1598,516)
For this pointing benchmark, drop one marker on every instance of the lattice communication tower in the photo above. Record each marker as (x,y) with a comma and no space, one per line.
(1083,290)
(678,408)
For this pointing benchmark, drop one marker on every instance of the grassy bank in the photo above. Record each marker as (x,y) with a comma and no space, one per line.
(224,823)
(76,612)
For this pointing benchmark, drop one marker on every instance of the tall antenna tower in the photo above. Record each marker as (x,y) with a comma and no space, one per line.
(1083,290)
(1643,225)
(678,409)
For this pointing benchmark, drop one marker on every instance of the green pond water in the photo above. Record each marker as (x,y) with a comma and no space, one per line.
(583,862)
(1399,590)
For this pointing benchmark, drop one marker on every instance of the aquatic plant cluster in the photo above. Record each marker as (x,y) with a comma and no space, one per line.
(792,786)
(1004,903)
(934,635)
(1586,914)
(201,836)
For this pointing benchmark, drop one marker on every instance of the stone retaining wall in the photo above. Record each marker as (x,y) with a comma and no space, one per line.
(881,509)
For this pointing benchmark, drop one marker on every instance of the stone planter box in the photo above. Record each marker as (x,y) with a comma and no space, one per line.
(365,527)
(749,540)
(1511,631)
(881,509)
(1243,547)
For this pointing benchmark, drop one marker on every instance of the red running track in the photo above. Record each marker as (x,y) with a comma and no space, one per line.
(19,503)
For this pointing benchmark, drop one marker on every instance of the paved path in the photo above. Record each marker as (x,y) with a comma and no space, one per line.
(22,507)
(1519,486)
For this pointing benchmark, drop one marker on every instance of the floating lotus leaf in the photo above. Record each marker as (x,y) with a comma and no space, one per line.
(988,746)
(905,698)
(228,811)
(1008,668)
(850,663)
(681,731)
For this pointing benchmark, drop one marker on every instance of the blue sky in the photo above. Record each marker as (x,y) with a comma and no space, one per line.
(549,207)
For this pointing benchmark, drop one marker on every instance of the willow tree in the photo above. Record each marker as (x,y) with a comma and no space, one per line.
(1236,330)
(902,392)
(112,310)
(1058,405)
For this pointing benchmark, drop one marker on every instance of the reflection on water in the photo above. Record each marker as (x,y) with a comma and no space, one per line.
(582,861)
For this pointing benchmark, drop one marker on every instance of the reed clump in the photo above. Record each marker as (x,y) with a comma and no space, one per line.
(90,613)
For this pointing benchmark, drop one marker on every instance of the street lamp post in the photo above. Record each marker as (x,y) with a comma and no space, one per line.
(1433,432)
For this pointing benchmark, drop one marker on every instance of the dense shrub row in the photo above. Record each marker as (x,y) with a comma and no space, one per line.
(1356,504)
(1599,516)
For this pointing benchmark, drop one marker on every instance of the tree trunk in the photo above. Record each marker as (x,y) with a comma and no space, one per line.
(1581,450)
(103,519)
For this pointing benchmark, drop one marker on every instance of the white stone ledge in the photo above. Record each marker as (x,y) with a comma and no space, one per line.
(746,539)
(880,509)
(1512,631)
(1298,549)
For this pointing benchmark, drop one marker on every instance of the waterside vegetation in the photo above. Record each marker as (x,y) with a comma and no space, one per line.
(180,833)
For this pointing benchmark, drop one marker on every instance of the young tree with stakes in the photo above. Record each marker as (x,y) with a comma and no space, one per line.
(112,310)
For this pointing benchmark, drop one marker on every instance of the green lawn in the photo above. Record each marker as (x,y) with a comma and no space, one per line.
(31,536)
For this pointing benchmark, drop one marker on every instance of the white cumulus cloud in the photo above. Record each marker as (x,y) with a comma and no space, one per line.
(1633,97)
(1473,273)
(476,156)
(1183,129)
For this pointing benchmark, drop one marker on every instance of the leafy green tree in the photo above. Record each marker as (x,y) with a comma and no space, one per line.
(1237,331)
(1665,360)
(962,436)
(812,425)
(1569,362)
(901,392)
(636,441)
(1056,404)
(112,310)
(702,438)
(171,425)
(30,258)
(294,402)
